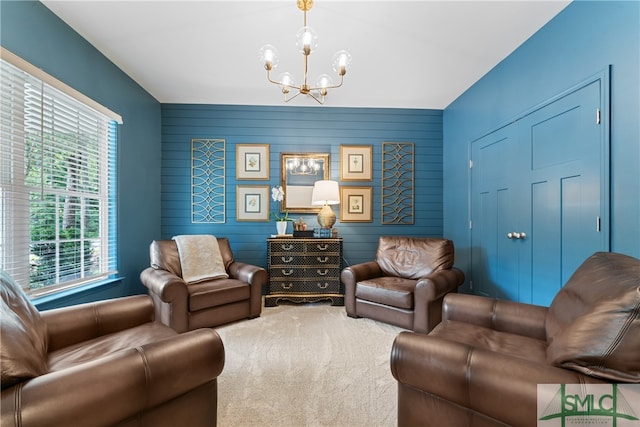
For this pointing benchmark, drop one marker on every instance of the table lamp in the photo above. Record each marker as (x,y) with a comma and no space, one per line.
(326,193)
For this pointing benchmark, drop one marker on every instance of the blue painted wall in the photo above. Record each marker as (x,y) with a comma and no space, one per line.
(34,33)
(291,129)
(581,41)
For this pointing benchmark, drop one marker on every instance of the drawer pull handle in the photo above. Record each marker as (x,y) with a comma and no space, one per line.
(287,272)
(287,286)
(287,247)
(323,272)
(287,259)
(322,247)
(324,285)
(323,259)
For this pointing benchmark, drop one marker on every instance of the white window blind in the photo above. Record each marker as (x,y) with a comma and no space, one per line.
(58,185)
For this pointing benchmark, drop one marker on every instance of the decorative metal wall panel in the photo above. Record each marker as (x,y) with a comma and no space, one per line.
(207,181)
(397,183)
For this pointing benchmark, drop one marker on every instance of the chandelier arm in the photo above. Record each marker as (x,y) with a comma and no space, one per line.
(319,101)
(294,96)
(279,83)
(329,87)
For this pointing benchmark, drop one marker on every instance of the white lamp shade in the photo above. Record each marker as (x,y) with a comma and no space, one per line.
(325,192)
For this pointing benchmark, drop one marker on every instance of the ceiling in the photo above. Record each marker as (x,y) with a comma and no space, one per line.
(406,54)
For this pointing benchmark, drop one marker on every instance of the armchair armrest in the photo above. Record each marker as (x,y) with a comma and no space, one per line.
(167,286)
(127,383)
(429,293)
(439,283)
(500,315)
(256,277)
(352,275)
(70,325)
(170,297)
(252,274)
(496,385)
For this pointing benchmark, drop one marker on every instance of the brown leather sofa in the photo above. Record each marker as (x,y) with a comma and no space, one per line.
(405,284)
(209,303)
(103,364)
(482,364)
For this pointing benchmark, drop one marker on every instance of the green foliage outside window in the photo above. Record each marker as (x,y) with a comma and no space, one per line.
(64,220)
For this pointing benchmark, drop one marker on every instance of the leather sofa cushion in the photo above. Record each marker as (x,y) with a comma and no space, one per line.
(593,325)
(393,291)
(217,292)
(106,345)
(23,353)
(413,257)
(506,343)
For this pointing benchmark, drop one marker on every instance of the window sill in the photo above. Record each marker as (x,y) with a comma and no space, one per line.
(85,293)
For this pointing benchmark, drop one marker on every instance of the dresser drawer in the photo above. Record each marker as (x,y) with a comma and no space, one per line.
(323,260)
(286,260)
(321,272)
(323,247)
(287,246)
(324,286)
(286,272)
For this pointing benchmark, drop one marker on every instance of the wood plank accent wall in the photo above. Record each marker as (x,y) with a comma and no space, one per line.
(292,129)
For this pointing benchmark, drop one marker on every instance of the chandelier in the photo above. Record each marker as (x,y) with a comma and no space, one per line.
(307,42)
(303,167)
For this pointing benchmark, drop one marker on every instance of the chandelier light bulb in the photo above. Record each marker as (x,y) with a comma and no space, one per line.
(324,81)
(341,60)
(286,79)
(306,40)
(268,56)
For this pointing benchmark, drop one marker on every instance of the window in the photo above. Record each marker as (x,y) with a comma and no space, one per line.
(57,182)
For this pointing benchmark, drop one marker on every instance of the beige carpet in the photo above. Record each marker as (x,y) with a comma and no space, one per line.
(307,365)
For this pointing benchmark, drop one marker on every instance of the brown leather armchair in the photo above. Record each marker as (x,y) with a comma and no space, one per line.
(405,284)
(209,303)
(482,365)
(103,364)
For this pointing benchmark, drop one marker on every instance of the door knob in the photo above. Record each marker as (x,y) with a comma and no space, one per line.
(516,235)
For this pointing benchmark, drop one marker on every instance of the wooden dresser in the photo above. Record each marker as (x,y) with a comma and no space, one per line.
(304,270)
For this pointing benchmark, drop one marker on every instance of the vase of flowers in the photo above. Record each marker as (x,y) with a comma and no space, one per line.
(277,194)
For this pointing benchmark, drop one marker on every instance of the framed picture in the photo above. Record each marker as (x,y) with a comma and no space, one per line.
(252,203)
(355,204)
(252,161)
(355,163)
(300,171)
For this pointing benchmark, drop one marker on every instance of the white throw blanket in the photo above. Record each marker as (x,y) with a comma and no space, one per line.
(200,258)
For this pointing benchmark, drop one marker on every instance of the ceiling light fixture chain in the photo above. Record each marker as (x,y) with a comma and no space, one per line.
(307,42)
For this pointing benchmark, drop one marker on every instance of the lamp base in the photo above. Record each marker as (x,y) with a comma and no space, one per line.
(326,217)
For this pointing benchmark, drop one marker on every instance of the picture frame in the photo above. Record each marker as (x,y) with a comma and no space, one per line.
(356,163)
(252,203)
(356,204)
(299,173)
(252,162)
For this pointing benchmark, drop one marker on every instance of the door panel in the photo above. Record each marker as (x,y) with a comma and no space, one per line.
(565,145)
(542,175)
(494,210)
